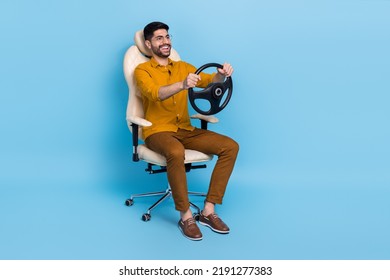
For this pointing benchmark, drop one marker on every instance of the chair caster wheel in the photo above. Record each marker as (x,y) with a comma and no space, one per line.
(129,202)
(196,216)
(146,217)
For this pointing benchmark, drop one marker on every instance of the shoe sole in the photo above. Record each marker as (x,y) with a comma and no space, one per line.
(213,229)
(190,238)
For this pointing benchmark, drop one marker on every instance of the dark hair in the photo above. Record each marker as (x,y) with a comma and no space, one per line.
(153,26)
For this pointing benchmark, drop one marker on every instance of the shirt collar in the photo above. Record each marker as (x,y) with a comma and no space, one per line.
(155,64)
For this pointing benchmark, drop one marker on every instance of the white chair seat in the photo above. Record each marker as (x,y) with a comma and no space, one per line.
(191,156)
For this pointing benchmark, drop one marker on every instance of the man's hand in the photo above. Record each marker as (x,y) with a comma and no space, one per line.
(191,81)
(224,72)
(165,92)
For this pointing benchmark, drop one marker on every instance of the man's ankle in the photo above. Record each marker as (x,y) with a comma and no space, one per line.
(185,215)
(209,208)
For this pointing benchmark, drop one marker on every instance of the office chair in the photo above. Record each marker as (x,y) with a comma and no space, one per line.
(156,163)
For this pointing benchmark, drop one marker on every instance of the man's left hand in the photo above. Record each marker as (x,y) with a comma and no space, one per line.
(226,70)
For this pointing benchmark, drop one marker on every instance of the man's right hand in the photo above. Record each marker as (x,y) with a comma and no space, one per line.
(165,92)
(191,81)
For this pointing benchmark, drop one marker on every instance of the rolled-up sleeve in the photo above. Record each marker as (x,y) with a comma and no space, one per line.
(146,85)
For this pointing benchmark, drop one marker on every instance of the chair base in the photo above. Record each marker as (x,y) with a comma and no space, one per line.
(163,196)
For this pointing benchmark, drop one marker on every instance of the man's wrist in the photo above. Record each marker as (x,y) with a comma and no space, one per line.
(219,77)
(183,85)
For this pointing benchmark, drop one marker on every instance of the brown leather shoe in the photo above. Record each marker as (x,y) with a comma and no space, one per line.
(214,222)
(190,229)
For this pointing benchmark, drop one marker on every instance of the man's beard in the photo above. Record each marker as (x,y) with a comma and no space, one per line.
(157,51)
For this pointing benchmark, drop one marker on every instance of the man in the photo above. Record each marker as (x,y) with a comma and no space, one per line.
(163,84)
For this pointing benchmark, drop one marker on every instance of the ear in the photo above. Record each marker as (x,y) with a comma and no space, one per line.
(148,44)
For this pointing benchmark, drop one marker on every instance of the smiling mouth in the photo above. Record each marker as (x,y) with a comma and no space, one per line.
(165,47)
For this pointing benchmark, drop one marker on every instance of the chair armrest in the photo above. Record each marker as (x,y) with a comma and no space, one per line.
(135,123)
(138,121)
(209,119)
(204,120)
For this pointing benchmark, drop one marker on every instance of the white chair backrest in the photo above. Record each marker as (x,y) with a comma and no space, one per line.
(135,55)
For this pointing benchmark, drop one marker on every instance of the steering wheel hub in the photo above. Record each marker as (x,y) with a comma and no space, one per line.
(218,92)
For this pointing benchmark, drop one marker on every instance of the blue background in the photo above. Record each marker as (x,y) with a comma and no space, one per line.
(310,110)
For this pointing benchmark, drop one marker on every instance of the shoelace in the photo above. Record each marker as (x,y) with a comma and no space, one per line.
(190,221)
(215,218)
(214,215)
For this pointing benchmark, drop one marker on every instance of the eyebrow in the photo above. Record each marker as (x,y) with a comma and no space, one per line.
(161,36)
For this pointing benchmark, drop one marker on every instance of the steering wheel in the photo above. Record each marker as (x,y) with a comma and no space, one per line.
(213,93)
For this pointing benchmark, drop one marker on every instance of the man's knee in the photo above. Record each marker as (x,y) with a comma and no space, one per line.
(232,147)
(175,154)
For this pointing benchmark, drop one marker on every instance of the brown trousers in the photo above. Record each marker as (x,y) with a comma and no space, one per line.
(172,145)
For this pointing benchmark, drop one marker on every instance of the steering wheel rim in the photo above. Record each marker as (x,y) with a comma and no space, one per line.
(213,93)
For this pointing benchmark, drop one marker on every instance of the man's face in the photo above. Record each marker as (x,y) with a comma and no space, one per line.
(160,43)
